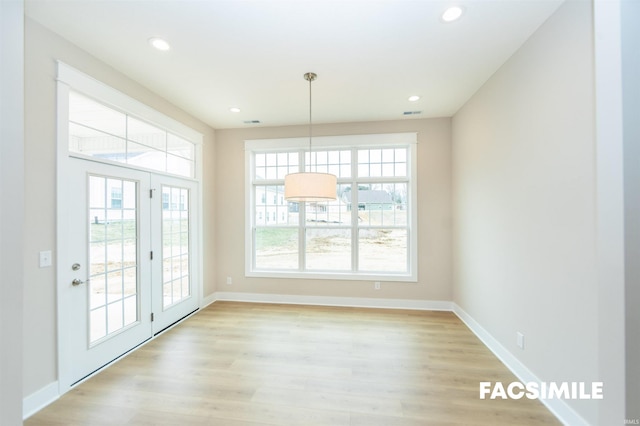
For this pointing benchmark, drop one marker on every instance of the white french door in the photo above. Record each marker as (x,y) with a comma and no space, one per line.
(174,201)
(127,262)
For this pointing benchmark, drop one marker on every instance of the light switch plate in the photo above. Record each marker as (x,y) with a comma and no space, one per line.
(45,259)
(520,340)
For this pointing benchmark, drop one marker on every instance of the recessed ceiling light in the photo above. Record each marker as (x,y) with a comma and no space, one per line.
(414,98)
(159,43)
(452,14)
(234,109)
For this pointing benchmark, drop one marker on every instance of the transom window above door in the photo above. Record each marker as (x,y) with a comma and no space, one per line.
(104,133)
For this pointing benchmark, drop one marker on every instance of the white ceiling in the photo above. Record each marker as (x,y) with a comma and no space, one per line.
(370,55)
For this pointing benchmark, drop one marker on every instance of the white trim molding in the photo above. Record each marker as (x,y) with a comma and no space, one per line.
(38,400)
(207,300)
(360,302)
(382,139)
(558,407)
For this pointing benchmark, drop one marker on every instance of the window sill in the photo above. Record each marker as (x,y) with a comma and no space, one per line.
(334,276)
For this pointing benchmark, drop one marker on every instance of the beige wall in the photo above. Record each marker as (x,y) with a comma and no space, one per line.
(42,49)
(434,187)
(12,210)
(524,205)
(631,90)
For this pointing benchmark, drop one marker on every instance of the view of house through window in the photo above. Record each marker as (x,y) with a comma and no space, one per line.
(366,230)
(175,245)
(113,283)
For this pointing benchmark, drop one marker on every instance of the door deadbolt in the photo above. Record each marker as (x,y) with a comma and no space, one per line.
(75,266)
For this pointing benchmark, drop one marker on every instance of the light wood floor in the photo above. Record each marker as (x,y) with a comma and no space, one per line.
(257,364)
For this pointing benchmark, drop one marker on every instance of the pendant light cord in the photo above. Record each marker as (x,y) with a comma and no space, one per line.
(311,77)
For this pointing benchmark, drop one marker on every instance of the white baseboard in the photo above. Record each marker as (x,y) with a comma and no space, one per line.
(558,407)
(360,302)
(39,399)
(206,301)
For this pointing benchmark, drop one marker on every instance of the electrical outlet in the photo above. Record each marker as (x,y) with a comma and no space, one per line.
(520,340)
(376,285)
(229,281)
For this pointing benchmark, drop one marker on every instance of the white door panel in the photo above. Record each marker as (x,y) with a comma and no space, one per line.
(105,273)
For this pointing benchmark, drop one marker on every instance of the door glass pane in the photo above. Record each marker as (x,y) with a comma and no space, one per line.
(115,316)
(113,286)
(130,309)
(98,322)
(98,295)
(176,279)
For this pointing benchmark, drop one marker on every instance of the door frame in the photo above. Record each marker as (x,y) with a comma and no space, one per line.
(69,78)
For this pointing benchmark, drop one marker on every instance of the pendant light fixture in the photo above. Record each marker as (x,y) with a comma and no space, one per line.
(309,185)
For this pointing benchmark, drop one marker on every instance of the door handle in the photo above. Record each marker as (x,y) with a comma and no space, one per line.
(76,282)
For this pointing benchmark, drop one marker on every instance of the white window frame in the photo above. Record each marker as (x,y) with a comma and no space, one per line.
(72,79)
(408,140)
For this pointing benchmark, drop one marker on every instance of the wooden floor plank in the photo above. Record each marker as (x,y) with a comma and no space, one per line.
(242,364)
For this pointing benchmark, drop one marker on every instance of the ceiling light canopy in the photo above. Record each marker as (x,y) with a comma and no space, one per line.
(159,43)
(309,186)
(452,14)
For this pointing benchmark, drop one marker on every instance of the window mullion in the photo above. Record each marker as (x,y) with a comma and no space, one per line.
(166,150)
(302,220)
(301,236)
(126,138)
(354,212)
